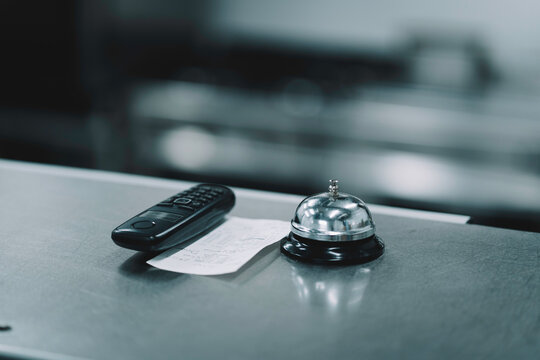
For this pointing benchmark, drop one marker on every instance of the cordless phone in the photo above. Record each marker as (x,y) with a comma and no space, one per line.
(176,219)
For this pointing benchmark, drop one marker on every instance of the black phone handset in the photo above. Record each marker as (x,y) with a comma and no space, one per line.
(176,219)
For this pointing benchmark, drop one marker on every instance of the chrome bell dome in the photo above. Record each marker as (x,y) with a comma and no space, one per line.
(333,227)
(333,216)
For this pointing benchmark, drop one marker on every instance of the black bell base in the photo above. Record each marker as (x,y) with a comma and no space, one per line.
(332,252)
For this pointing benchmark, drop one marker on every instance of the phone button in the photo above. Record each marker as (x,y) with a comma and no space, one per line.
(144,224)
(182,201)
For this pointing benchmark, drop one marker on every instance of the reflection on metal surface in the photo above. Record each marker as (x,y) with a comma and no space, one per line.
(337,289)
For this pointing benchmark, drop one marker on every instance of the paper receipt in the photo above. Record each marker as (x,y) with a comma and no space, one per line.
(225,249)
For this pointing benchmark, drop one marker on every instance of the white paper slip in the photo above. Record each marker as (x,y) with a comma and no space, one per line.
(225,249)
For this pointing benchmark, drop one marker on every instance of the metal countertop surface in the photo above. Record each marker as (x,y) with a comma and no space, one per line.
(441,290)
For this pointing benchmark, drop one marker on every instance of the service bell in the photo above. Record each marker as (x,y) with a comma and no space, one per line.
(333,228)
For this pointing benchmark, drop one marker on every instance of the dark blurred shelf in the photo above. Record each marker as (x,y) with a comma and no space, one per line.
(45,136)
(468,160)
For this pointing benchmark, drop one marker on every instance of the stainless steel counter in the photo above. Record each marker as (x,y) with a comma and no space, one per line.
(442,290)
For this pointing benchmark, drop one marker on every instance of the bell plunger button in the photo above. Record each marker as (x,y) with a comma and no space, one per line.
(332,228)
(143,224)
(333,188)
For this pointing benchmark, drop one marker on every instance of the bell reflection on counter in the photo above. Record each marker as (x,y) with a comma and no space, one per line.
(333,228)
(335,289)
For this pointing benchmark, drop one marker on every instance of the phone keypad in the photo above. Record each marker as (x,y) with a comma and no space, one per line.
(193,199)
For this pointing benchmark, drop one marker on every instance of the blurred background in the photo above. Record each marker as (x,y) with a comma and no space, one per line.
(424,104)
